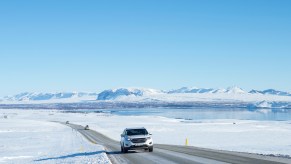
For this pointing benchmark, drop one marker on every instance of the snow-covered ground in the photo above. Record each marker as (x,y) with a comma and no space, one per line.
(264,137)
(32,140)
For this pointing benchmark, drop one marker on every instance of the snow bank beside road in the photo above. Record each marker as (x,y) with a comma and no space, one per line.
(32,141)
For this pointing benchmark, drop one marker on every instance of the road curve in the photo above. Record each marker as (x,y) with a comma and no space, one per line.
(173,154)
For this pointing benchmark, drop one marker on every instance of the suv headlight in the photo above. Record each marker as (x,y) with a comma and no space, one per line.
(127,139)
(149,138)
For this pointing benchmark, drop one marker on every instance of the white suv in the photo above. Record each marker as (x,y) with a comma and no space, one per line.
(136,138)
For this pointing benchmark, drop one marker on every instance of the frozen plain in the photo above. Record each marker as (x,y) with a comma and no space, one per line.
(26,139)
(262,137)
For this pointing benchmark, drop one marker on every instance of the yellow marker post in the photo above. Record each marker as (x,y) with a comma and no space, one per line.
(81,148)
(186,143)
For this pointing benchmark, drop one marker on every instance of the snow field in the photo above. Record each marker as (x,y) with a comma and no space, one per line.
(263,137)
(25,140)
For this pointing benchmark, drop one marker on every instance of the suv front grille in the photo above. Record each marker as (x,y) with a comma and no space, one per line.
(138,140)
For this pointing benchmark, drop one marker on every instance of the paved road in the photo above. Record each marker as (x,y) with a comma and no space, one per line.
(173,154)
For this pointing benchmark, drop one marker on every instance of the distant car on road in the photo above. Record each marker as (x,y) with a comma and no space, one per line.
(136,138)
(86,127)
(67,122)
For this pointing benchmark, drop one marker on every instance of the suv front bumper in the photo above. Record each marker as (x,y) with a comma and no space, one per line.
(145,145)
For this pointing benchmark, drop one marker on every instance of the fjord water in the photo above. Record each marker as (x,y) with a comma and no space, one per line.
(206,113)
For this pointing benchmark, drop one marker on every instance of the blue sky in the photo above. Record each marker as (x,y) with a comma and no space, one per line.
(72,45)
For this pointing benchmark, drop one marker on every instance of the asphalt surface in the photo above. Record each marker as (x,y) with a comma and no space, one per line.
(173,154)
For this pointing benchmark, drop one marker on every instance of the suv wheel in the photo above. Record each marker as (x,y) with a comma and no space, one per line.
(125,150)
(151,149)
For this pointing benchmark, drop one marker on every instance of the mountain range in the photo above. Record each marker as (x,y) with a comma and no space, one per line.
(232,97)
(207,90)
(271,92)
(113,94)
(33,96)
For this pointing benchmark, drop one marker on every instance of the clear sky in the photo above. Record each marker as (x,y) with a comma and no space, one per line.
(74,45)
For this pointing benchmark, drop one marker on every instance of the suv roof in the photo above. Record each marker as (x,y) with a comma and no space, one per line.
(135,128)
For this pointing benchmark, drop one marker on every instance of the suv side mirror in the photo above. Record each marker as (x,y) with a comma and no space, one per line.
(150,134)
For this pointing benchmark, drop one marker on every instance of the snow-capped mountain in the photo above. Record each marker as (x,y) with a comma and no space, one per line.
(192,90)
(234,90)
(271,92)
(115,93)
(255,92)
(230,90)
(221,90)
(33,96)
(187,96)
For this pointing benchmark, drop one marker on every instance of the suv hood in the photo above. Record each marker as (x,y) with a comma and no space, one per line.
(138,136)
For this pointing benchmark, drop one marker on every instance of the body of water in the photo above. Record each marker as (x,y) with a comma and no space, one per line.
(202,113)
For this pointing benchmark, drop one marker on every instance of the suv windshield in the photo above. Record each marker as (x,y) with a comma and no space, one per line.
(132,132)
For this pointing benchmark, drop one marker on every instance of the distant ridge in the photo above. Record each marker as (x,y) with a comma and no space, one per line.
(269,98)
(271,92)
(34,96)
